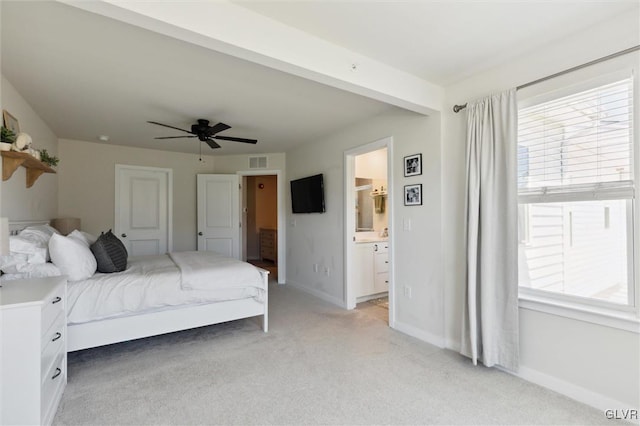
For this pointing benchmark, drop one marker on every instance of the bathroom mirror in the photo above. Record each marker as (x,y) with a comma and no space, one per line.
(364,205)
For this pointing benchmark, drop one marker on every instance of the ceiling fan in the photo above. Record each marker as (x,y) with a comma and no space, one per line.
(205,133)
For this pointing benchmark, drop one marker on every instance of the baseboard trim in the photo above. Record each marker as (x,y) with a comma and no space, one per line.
(319,294)
(453,345)
(570,390)
(412,331)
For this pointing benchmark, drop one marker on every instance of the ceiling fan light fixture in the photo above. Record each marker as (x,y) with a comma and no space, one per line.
(204,132)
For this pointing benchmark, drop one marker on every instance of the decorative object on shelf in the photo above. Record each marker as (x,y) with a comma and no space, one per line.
(413,165)
(23,142)
(46,158)
(413,195)
(7,136)
(10,122)
(66,225)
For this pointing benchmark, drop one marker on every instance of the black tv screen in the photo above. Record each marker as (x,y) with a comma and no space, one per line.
(307,194)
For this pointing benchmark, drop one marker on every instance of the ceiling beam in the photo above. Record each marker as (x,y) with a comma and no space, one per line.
(231,29)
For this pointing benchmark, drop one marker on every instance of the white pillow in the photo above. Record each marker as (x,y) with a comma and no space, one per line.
(31,270)
(35,249)
(83,237)
(72,257)
(10,263)
(45,230)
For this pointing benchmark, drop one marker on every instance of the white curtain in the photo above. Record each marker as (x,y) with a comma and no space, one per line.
(490,322)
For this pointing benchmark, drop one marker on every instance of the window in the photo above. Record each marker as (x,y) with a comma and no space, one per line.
(576,194)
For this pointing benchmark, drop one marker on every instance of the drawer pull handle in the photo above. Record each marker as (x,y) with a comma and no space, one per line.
(386,282)
(56,300)
(386,261)
(375,247)
(57,336)
(58,372)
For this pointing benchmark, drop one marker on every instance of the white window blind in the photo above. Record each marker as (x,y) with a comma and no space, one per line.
(578,147)
(575,189)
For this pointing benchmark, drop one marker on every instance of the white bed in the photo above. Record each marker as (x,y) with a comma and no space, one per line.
(161,294)
(148,298)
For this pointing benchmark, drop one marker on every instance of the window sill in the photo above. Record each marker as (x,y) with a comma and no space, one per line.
(627,321)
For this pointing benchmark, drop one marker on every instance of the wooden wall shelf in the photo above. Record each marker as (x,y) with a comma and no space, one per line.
(11,160)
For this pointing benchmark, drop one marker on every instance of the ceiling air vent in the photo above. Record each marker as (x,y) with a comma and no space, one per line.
(258,162)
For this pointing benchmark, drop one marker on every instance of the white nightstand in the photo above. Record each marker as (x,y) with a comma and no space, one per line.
(34,350)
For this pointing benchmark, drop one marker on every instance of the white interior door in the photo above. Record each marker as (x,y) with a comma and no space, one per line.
(143,209)
(219,214)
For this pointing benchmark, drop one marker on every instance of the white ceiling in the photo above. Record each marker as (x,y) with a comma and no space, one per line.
(441,41)
(88,75)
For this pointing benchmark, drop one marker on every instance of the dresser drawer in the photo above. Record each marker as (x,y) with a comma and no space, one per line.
(381,262)
(269,253)
(33,364)
(53,343)
(52,307)
(52,385)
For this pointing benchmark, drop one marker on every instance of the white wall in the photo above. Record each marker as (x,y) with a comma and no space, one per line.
(319,238)
(590,362)
(87,184)
(40,202)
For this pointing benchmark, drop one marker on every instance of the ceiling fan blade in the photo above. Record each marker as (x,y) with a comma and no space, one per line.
(175,137)
(212,144)
(171,127)
(229,138)
(217,129)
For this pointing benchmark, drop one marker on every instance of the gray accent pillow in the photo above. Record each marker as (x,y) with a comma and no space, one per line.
(110,253)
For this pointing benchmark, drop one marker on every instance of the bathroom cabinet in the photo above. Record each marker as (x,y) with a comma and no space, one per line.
(371,263)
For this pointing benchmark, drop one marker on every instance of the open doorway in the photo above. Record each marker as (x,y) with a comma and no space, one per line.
(368,219)
(261,228)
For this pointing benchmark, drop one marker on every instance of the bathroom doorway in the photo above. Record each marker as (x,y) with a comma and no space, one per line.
(369,230)
(262,229)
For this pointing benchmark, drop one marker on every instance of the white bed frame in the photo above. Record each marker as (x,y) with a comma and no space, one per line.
(122,329)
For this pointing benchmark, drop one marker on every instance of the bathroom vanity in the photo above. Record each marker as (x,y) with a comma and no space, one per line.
(371,261)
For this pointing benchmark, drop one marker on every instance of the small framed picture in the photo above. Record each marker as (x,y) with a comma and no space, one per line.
(10,122)
(413,165)
(413,195)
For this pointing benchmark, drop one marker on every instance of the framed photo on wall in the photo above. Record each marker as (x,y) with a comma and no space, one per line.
(10,122)
(413,165)
(413,195)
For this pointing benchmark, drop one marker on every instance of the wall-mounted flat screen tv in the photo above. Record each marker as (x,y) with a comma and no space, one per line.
(307,195)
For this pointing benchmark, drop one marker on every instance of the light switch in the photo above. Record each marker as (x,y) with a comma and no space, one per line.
(406,224)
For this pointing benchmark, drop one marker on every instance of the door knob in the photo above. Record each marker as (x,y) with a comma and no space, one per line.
(200,233)
(123,235)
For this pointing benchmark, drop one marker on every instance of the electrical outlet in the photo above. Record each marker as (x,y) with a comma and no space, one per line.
(406,223)
(315,267)
(407,291)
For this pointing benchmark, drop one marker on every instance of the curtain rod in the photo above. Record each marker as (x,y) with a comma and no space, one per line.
(458,108)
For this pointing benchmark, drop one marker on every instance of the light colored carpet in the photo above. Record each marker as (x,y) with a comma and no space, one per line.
(317,365)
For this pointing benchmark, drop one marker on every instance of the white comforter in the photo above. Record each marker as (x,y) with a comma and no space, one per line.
(199,269)
(154,282)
